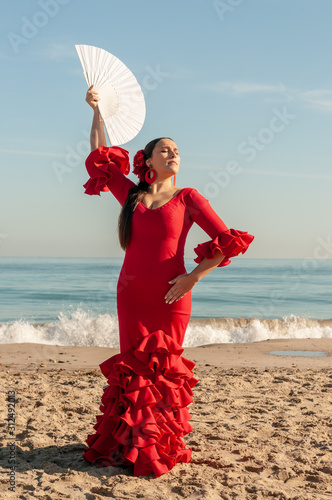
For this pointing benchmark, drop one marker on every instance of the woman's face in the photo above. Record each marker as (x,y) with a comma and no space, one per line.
(165,158)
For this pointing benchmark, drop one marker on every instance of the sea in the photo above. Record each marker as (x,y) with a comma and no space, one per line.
(72,301)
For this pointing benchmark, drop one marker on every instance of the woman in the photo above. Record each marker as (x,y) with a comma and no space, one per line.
(145,412)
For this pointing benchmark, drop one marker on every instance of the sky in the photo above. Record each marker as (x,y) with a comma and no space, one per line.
(244,88)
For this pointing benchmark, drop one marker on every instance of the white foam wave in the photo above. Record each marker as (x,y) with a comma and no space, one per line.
(82,328)
(240,330)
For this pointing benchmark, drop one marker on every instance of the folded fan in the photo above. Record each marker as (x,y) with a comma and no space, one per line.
(122,104)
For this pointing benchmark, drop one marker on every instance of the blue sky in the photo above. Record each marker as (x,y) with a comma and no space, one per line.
(244,89)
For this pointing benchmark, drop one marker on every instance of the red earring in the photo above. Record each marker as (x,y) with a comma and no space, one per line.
(174,179)
(147,177)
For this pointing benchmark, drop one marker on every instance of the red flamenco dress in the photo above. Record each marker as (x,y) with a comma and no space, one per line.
(144,406)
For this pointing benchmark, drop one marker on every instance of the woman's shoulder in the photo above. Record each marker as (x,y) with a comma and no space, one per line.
(192,194)
(188,190)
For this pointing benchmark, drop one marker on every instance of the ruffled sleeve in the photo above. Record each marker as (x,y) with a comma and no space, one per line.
(107,168)
(230,242)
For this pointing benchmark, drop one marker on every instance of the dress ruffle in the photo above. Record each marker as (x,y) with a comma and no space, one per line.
(230,243)
(144,408)
(99,164)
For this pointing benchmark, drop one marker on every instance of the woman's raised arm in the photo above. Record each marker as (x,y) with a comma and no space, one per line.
(97,135)
(107,167)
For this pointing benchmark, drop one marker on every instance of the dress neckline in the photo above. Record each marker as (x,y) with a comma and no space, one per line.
(157,208)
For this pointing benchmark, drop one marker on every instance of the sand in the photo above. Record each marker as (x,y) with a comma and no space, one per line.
(262,425)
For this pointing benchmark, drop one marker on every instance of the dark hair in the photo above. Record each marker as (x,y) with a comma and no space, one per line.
(135,195)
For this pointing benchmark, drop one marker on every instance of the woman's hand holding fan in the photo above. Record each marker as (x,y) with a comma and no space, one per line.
(121,101)
(92,98)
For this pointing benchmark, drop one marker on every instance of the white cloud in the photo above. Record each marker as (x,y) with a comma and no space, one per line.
(244,87)
(319,99)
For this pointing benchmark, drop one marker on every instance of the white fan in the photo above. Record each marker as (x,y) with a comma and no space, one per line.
(122,104)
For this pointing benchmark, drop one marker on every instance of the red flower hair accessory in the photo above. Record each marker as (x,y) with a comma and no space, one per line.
(140,167)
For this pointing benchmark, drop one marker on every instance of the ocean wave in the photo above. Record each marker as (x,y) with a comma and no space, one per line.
(247,330)
(83,328)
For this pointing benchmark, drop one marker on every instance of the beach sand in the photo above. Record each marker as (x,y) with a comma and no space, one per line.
(262,425)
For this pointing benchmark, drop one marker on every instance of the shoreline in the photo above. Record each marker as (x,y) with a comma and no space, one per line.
(222,321)
(31,356)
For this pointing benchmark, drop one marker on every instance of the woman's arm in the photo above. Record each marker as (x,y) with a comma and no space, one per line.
(206,266)
(97,135)
(183,283)
(230,241)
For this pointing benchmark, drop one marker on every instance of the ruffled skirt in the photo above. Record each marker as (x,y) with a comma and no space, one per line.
(144,408)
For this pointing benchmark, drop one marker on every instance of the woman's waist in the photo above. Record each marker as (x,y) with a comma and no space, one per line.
(153,267)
